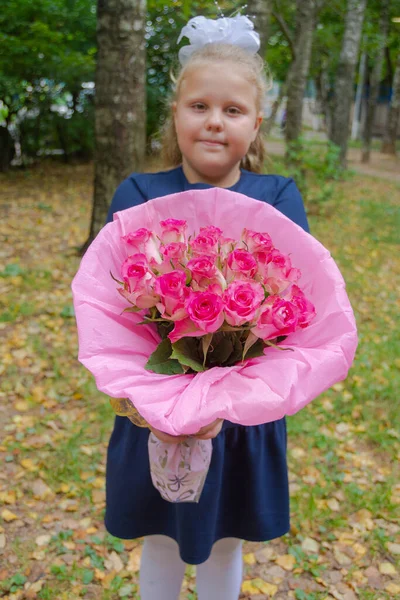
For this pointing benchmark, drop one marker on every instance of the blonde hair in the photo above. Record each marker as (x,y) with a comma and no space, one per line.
(255,73)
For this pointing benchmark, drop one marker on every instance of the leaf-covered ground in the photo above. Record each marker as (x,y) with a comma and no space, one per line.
(343,448)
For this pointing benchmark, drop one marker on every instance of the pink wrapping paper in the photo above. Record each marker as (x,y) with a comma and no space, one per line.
(257,391)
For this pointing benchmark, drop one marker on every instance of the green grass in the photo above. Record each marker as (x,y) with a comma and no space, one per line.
(359,222)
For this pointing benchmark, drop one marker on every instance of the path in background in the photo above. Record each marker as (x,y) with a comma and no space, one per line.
(381,165)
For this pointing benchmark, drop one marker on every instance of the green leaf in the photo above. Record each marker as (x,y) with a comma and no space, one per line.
(205,343)
(12,270)
(164,328)
(117,280)
(186,352)
(236,355)
(222,348)
(126,590)
(161,362)
(256,350)
(67,311)
(250,341)
(274,345)
(132,309)
(87,576)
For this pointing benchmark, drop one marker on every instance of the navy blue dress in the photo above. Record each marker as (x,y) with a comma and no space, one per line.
(246,493)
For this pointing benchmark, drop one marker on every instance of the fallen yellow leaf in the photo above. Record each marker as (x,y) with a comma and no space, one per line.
(286,561)
(249,588)
(360,549)
(393,548)
(333,504)
(266,588)
(100,575)
(392,588)
(249,559)
(28,464)
(98,483)
(8,497)
(43,540)
(21,406)
(8,516)
(386,568)
(134,560)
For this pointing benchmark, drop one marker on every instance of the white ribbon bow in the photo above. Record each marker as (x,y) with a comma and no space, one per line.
(200,31)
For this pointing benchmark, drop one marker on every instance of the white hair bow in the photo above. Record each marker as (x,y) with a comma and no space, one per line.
(200,31)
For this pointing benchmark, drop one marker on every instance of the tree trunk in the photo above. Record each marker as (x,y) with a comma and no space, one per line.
(392,124)
(345,76)
(375,80)
(322,84)
(120,101)
(297,80)
(261,11)
(362,71)
(7,149)
(270,121)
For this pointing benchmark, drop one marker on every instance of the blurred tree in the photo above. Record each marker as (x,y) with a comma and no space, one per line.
(261,10)
(393,120)
(120,101)
(377,56)
(46,53)
(297,78)
(344,80)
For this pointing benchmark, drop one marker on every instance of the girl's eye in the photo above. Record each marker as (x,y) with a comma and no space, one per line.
(233,110)
(199,106)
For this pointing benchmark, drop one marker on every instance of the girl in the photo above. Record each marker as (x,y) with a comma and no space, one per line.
(212,139)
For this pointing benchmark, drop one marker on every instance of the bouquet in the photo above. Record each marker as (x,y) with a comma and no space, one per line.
(215,300)
(194,331)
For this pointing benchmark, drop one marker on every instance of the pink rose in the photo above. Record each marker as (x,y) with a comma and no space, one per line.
(205,310)
(144,241)
(256,242)
(174,251)
(211,231)
(241,300)
(205,273)
(134,269)
(204,243)
(305,307)
(277,272)
(276,317)
(174,256)
(173,292)
(139,282)
(226,246)
(143,297)
(173,230)
(241,265)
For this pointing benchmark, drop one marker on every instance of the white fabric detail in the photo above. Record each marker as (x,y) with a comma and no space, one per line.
(238,30)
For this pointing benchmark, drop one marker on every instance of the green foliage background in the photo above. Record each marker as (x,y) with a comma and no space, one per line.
(48,55)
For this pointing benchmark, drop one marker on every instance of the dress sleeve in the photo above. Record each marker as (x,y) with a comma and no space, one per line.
(290,203)
(127,194)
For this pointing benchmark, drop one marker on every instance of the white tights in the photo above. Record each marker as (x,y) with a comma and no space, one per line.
(162,570)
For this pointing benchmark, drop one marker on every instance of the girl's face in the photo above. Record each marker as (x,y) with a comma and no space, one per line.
(216,119)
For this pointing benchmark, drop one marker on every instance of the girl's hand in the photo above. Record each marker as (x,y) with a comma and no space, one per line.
(210,431)
(206,433)
(165,437)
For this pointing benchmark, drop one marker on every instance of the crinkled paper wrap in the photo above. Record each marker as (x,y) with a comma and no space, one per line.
(257,391)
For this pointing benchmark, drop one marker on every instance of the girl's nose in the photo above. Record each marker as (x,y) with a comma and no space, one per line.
(214,121)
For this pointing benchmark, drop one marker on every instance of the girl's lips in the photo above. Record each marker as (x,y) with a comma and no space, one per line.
(212,143)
